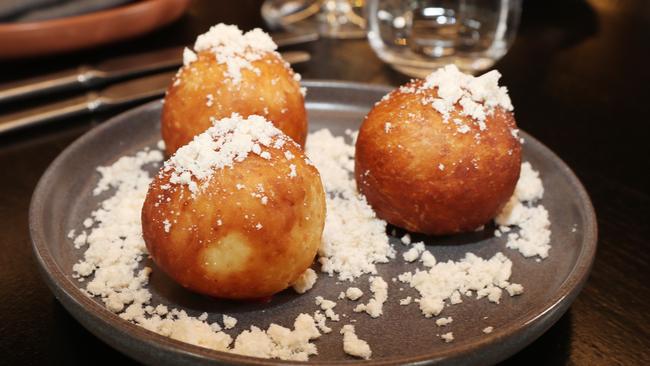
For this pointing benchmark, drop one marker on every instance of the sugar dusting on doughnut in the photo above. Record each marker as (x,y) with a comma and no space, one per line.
(450,157)
(237,213)
(233,48)
(231,71)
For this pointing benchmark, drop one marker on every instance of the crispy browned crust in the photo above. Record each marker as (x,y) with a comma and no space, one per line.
(282,249)
(273,94)
(399,172)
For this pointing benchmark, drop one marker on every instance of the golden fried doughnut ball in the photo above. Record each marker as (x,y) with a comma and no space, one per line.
(431,173)
(214,84)
(238,213)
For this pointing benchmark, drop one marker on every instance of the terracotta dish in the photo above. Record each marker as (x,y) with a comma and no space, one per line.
(72,33)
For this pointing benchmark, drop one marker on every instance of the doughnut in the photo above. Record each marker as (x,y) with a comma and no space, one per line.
(237,213)
(441,155)
(232,72)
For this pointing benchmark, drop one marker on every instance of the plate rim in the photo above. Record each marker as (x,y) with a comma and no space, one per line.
(71,297)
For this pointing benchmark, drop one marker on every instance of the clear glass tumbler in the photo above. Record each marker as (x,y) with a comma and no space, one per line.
(330,18)
(418,36)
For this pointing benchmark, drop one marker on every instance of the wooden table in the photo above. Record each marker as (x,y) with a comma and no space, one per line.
(579,77)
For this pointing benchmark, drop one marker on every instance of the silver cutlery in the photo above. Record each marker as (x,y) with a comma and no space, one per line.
(87,76)
(118,94)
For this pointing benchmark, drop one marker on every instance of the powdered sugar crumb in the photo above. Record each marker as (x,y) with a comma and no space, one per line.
(477,96)
(233,48)
(447,337)
(375,306)
(405,301)
(354,346)
(354,239)
(229,322)
(523,211)
(414,253)
(228,141)
(353,293)
(306,281)
(486,278)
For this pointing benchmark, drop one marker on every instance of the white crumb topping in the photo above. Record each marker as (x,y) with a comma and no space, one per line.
(215,327)
(446,281)
(477,96)
(461,127)
(233,48)
(447,337)
(184,328)
(406,239)
(354,239)
(80,240)
(354,346)
(229,322)
(414,253)
(533,236)
(115,244)
(353,293)
(328,308)
(427,259)
(306,281)
(320,320)
(405,301)
(127,171)
(529,187)
(488,330)
(280,342)
(228,141)
(387,127)
(441,322)
(161,310)
(188,56)
(375,307)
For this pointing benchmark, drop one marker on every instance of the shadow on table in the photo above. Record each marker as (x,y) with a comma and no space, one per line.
(552,348)
(74,345)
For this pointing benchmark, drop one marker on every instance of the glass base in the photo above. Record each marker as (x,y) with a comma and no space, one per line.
(471,66)
(330,18)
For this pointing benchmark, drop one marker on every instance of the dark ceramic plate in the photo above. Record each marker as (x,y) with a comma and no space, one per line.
(63,199)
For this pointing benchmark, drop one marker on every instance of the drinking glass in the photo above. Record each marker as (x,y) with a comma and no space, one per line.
(330,18)
(418,36)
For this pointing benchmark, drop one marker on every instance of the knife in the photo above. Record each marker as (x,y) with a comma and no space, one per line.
(87,76)
(119,94)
